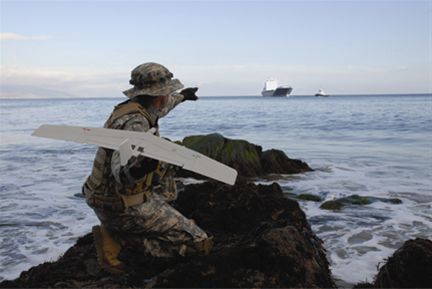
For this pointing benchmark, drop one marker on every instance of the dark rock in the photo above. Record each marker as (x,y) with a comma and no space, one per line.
(242,156)
(331,205)
(356,200)
(211,145)
(363,285)
(262,239)
(276,162)
(309,197)
(247,158)
(409,267)
(238,154)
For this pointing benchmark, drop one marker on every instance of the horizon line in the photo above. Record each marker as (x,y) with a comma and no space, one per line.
(224,96)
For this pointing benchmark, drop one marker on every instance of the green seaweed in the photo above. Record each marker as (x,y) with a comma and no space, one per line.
(309,197)
(331,205)
(355,200)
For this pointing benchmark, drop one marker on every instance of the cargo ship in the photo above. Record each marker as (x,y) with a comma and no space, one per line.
(272,88)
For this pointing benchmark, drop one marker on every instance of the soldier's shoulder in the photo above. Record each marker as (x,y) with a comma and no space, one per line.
(131,120)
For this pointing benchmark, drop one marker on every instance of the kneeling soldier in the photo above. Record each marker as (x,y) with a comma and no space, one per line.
(131,201)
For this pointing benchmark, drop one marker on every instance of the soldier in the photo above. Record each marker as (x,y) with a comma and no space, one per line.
(131,201)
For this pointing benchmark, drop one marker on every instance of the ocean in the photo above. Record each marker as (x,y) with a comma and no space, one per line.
(369,145)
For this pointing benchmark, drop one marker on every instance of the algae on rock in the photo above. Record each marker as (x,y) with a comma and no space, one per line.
(247,158)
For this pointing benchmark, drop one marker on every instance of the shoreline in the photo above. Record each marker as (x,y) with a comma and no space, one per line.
(78,261)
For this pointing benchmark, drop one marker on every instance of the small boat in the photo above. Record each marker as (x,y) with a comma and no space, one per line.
(321,93)
(272,88)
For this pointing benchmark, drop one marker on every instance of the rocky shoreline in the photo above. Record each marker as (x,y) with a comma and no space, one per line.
(262,238)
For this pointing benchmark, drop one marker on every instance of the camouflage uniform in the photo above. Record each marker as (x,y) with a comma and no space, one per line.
(152,226)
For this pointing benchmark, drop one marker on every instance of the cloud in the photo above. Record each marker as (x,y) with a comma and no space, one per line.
(4,36)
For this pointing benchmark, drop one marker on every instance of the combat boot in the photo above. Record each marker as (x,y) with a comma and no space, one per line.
(108,250)
(202,247)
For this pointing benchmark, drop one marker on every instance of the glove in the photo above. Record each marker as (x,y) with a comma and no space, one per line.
(139,166)
(189,93)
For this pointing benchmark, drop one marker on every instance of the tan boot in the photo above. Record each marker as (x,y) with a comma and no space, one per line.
(107,250)
(204,247)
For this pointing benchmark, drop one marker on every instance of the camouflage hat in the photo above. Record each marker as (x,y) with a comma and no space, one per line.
(152,79)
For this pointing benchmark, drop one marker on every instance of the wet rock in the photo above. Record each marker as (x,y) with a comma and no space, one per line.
(356,200)
(363,285)
(309,197)
(276,162)
(409,267)
(247,158)
(211,145)
(239,154)
(262,239)
(331,205)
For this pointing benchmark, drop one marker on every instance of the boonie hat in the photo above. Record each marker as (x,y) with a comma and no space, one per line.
(152,79)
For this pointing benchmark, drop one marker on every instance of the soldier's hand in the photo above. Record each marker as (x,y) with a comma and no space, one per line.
(189,93)
(140,165)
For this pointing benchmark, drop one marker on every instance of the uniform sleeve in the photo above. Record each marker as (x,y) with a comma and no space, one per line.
(173,100)
(122,174)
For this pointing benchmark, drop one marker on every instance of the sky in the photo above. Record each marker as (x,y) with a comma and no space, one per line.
(87,48)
